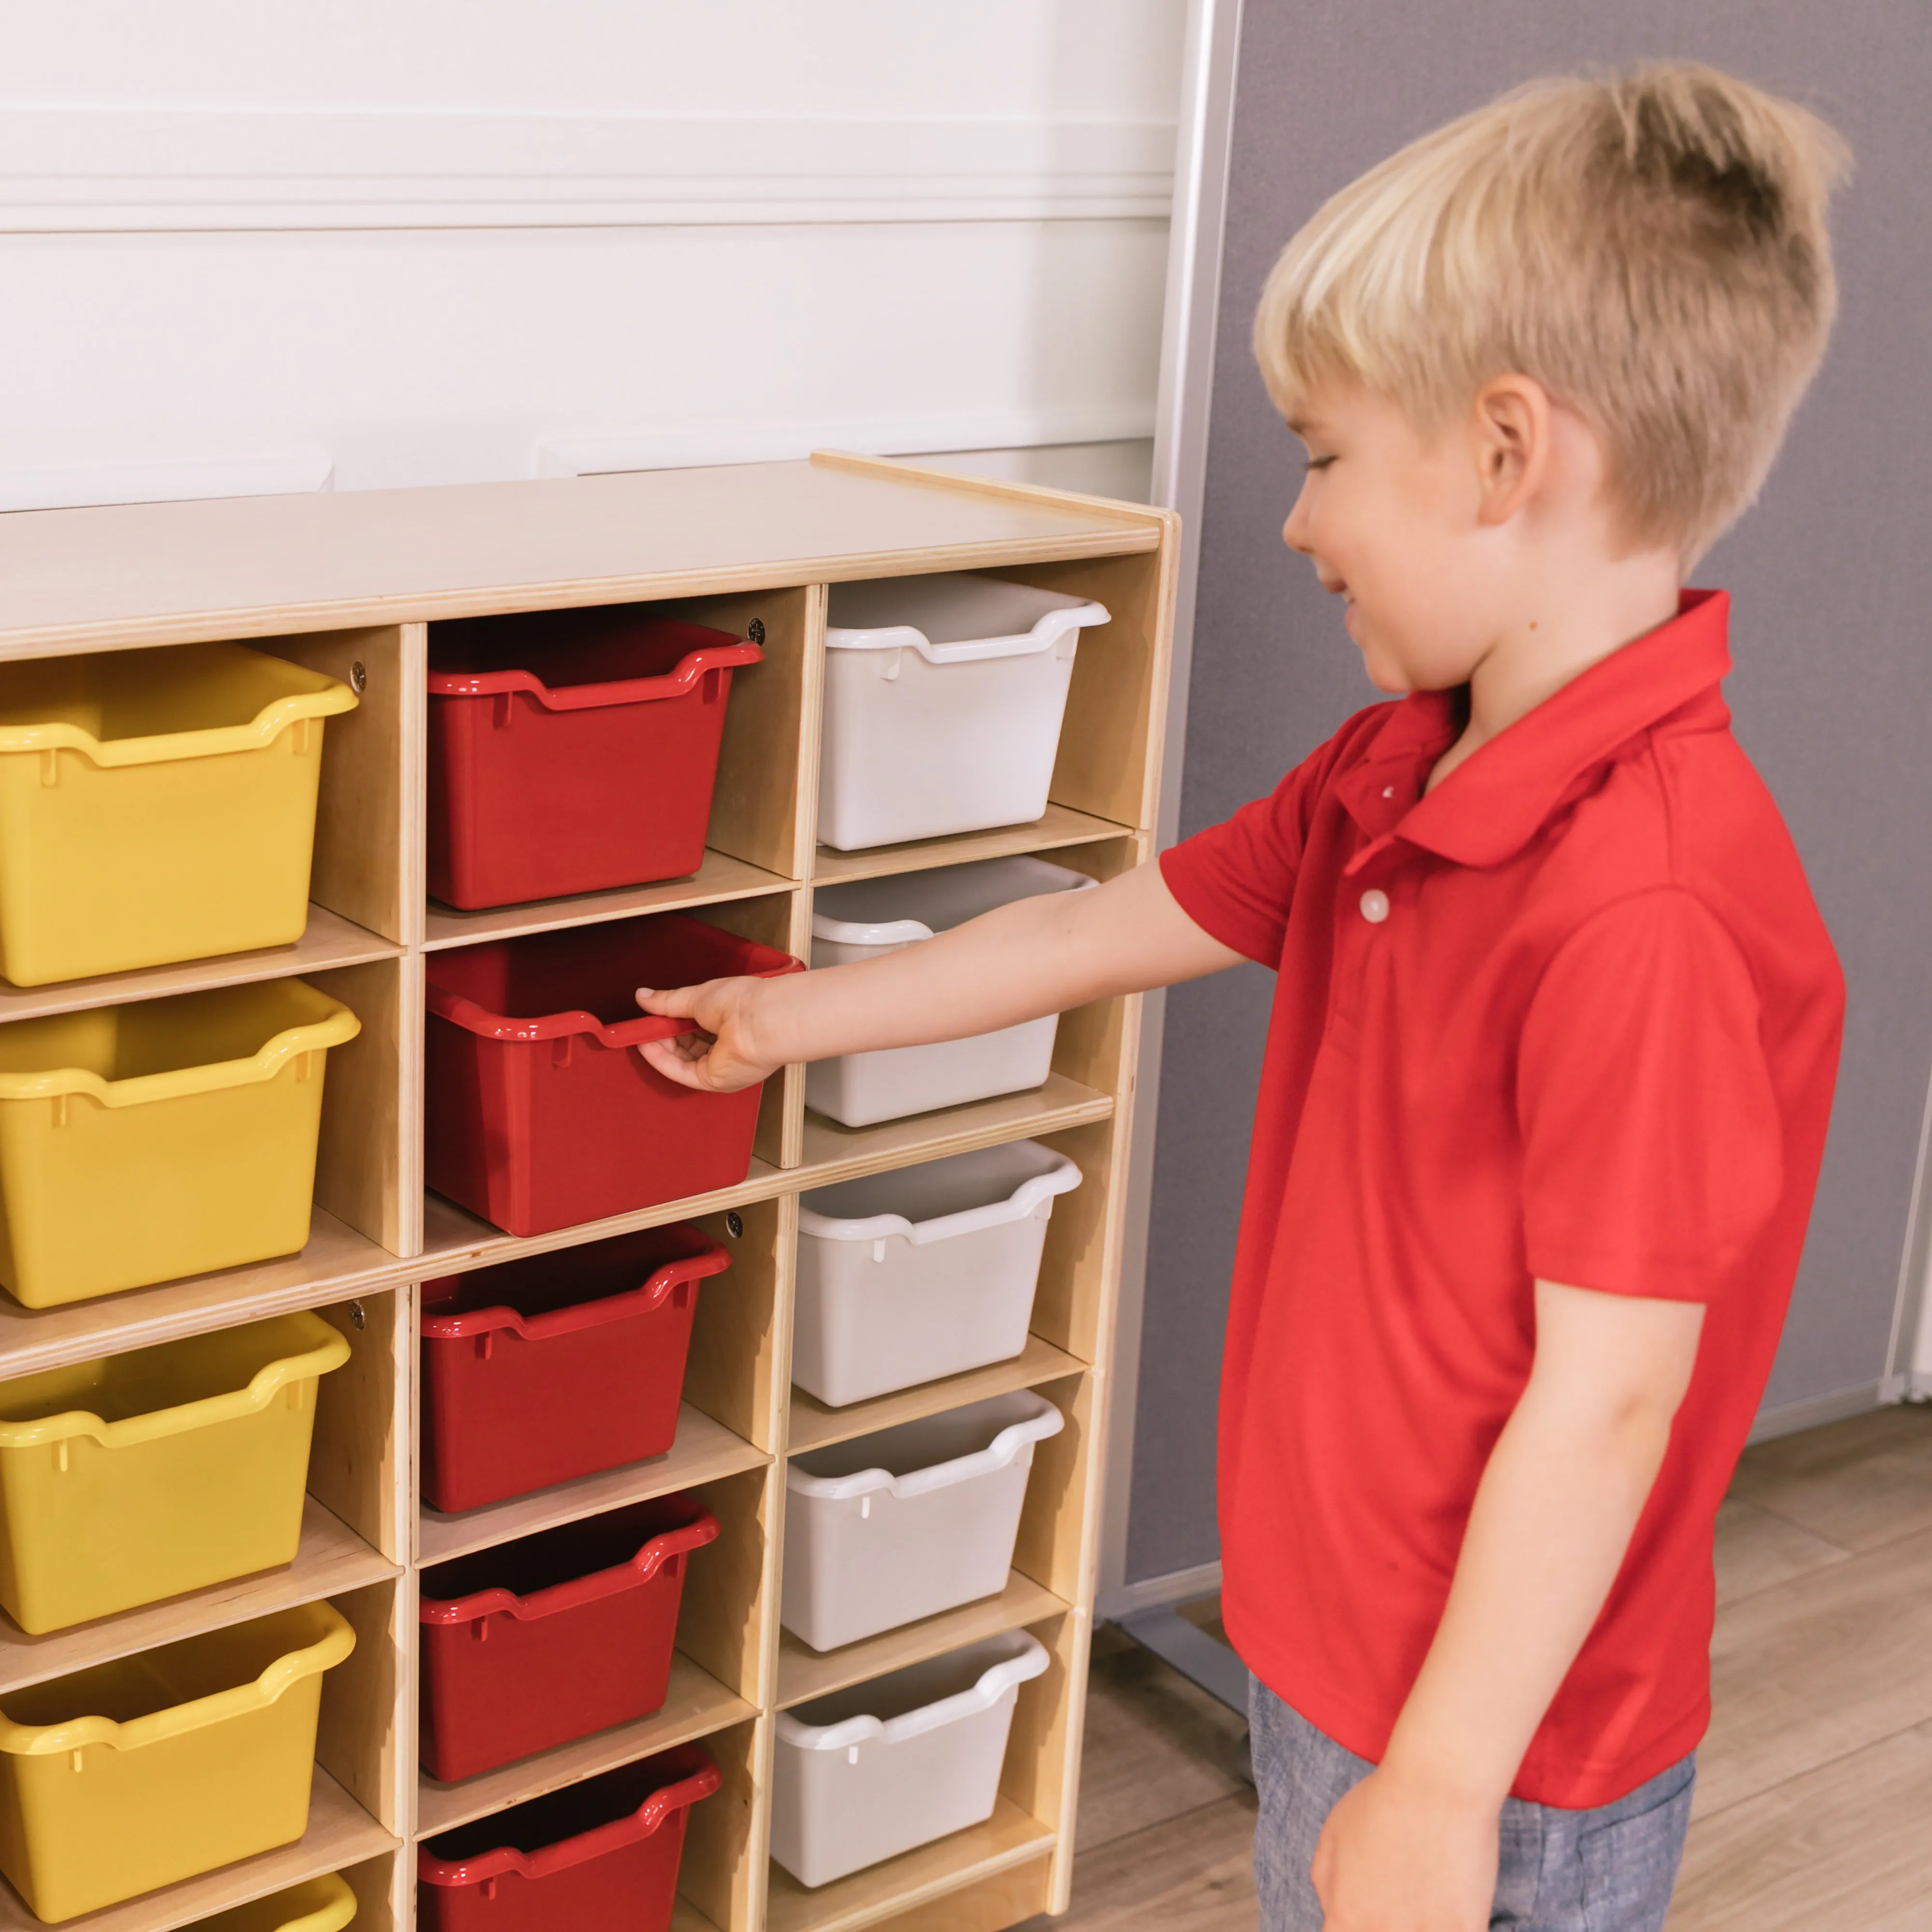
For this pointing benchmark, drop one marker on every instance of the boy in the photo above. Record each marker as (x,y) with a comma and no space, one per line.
(1556,1022)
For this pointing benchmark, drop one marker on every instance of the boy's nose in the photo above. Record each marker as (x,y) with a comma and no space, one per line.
(1294,531)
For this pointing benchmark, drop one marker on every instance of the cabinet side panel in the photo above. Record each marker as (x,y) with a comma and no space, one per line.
(367,1121)
(357,1467)
(767,765)
(364,1741)
(363,827)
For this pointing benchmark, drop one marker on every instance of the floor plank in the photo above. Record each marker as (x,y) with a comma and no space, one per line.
(1860,1484)
(1816,1668)
(1846,1848)
(1155,1746)
(1756,1550)
(1191,1873)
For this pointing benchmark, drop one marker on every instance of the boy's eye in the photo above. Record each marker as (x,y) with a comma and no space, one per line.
(1318,462)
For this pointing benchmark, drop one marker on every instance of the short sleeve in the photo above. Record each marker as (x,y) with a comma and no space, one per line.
(1653,1144)
(1236,879)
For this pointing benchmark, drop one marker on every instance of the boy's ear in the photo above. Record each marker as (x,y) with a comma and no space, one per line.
(1510,429)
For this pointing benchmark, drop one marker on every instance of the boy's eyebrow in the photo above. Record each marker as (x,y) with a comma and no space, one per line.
(1301,425)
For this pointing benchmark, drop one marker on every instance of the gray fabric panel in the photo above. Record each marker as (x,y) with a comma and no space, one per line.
(1831,576)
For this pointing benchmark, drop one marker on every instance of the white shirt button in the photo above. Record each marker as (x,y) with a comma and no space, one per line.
(1375,906)
(1388,791)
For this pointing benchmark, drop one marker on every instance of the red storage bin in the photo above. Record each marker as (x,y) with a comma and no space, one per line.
(597,772)
(539,1115)
(553,1636)
(601,1856)
(557,1365)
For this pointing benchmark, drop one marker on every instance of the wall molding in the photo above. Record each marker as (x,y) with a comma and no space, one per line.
(91,170)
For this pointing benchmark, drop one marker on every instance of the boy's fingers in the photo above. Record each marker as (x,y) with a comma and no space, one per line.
(680,1066)
(679,1003)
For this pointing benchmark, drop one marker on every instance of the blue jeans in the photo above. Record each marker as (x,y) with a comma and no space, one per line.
(1610,1869)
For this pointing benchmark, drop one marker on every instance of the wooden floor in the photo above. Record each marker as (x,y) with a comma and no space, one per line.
(1814,1790)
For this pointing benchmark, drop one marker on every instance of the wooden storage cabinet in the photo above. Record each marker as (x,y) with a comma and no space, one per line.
(350,585)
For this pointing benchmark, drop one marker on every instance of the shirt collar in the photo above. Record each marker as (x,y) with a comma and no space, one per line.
(1490,808)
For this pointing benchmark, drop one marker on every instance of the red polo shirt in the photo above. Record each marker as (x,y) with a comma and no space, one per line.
(1574,1015)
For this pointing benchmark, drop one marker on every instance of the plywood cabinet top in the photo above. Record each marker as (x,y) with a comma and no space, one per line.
(176,573)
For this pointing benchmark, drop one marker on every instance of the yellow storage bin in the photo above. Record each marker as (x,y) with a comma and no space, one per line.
(152,1769)
(128,1479)
(141,1143)
(324,1904)
(155,805)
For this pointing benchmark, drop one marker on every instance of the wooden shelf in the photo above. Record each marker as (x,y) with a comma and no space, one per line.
(695,1705)
(330,941)
(330,1559)
(805,1673)
(1010,1837)
(813,1425)
(720,878)
(1061,827)
(834,1153)
(260,566)
(337,1264)
(685,1917)
(339,1833)
(455,1240)
(704,1451)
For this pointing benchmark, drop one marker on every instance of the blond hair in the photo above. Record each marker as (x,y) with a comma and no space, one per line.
(1650,247)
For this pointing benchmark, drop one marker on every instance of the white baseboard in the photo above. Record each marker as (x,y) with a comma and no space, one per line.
(882,436)
(80,485)
(1834,1406)
(1154,1593)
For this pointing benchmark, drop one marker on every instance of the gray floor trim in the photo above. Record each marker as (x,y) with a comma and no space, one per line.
(1834,1406)
(1199,1658)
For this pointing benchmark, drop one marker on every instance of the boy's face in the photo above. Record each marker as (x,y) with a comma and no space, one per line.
(1392,523)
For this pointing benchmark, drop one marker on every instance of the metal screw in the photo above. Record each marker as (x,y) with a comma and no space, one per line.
(755,630)
(358,677)
(356,1316)
(734,1223)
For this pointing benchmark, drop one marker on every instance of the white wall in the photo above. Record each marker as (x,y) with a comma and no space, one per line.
(245,245)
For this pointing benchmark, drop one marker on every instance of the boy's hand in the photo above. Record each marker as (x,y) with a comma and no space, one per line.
(721,1057)
(1392,1859)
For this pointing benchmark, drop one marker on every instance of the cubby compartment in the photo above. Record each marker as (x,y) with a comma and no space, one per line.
(602,1856)
(944,698)
(539,1112)
(198,1116)
(922,1272)
(138,1477)
(559,1365)
(199,1752)
(870,1772)
(155,805)
(870,918)
(324,1904)
(882,1530)
(572,751)
(535,1643)
(391,1274)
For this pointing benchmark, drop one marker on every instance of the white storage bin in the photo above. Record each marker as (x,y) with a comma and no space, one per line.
(924,1272)
(944,697)
(889,1527)
(869,1772)
(868,918)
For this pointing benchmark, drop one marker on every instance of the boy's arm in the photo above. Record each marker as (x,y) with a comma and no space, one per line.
(1019,962)
(1413,1848)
